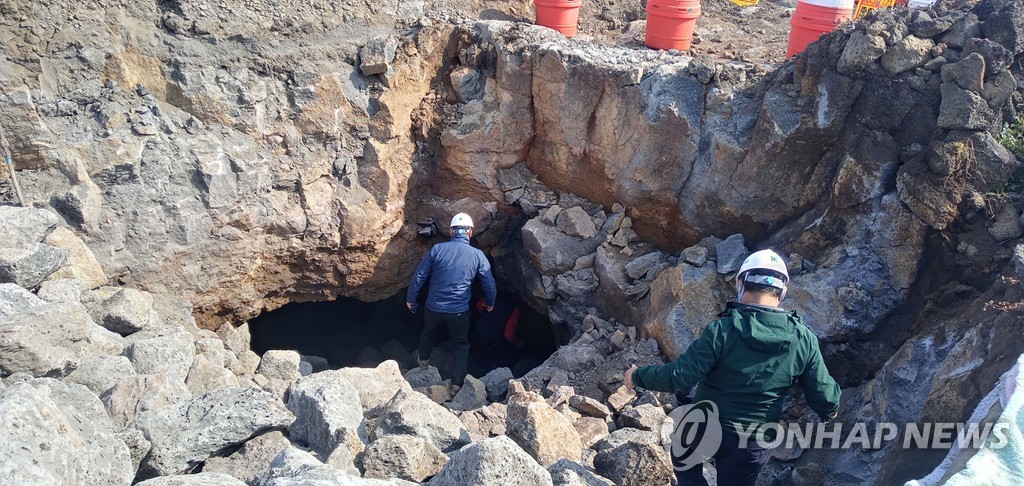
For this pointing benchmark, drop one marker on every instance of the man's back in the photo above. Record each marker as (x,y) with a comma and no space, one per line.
(763,352)
(451,267)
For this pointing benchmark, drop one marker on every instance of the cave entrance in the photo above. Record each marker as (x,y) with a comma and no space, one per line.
(348,332)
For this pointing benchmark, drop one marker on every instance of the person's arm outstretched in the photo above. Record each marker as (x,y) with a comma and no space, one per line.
(820,390)
(419,279)
(688,369)
(487,282)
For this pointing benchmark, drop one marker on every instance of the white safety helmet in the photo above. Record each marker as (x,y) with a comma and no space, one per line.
(462,220)
(762,260)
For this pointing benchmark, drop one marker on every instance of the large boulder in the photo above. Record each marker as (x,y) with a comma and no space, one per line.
(210,371)
(294,467)
(327,413)
(167,350)
(23,259)
(684,299)
(280,365)
(29,266)
(136,394)
(99,373)
(126,312)
(57,290)
(909,53)
(376,56)
(52,340)
(402,456)
(412,413)
(51,433)
(634,464)
(15,299)
(376,386)
(589,406)
(643,417)
(730,253)
(188,433)
(861,51)
(552,250)
(281,368)
(542,431)
(568,473)
(496,382)
(964,109)
(202,479)
(491,462)
(423,377)
(472,395)
(1007,27)
(25,226)
(252,459)
(486,421)
(576,222)
(81,263)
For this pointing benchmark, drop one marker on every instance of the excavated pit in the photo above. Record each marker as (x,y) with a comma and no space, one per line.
(301,176)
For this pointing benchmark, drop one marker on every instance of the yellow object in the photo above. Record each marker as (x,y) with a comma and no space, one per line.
(865,6)
(745,3)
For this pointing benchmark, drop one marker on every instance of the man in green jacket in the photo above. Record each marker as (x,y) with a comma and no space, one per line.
(744,362)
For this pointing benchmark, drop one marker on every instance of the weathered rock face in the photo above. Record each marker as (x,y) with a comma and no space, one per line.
(295,181)
(15,299)
(327,413)
(491,461)
(202,479)
(411,413)
(228,192)
(540,430)
(186,434)
(189,157)
(634,463)
(52,340)
(376,386)
(251,460)
(136,394)
(294,467)
(69,439)
(403,457)
(24,260)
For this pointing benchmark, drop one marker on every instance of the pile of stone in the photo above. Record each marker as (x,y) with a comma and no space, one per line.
(110,385)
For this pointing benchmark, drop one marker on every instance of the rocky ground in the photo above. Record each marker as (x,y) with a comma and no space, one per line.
(110,385)
(191,164)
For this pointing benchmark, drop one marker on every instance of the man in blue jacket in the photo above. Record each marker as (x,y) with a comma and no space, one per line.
(451,268)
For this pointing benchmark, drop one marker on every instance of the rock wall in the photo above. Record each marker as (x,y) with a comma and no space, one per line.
(243,162)
(298,167)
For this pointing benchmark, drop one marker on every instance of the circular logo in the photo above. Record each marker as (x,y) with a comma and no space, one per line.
(696,434)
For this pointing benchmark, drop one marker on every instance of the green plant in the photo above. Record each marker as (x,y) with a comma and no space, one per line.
(1013,185)
(1011,136)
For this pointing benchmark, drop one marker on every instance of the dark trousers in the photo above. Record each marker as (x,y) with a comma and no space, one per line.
(735,466)
(458,329)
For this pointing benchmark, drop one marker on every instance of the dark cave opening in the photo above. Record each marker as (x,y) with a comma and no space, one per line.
(349,332)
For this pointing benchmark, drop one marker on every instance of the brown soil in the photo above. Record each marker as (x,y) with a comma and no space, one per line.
(725,31)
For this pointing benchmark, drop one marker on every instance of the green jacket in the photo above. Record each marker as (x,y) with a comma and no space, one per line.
(745,362)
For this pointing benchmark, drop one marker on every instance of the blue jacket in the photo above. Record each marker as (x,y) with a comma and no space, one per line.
(451,267)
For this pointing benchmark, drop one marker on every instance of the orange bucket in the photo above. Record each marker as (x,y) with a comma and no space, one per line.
(670,23)
(561,15)
(812,21)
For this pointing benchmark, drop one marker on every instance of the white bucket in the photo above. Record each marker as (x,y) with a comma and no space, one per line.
(838,4)
(920,3)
